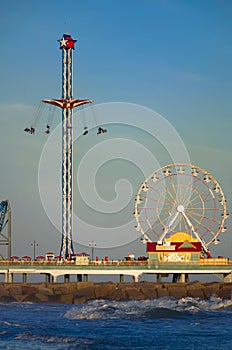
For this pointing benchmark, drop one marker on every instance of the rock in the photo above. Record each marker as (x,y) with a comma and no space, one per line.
(66,299)
(15,290)
(3,291)
(225,291)
(29,290)
(87,292)
(7,299)
(43,298)
(20,298)
(118,294)
(72,286)
(81,292)
(195,290)
(31,299)
(61,289)
(150,292)
(82,285)
(210,289)
(134,293)
(53,298)
(81,300)
(162,292)
(45,291)
(104,290)
(177,291)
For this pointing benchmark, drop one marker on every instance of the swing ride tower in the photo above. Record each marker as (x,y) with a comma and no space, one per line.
(67,103)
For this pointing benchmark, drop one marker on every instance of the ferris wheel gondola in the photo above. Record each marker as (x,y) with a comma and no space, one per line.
(181,198)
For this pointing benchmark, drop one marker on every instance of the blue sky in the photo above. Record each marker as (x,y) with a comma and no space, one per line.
(174,57)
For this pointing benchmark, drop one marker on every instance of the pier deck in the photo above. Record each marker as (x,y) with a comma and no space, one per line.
(54,269)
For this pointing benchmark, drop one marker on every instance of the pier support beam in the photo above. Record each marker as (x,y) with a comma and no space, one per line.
(48,278)
(24,277)
(121,278)
(54,279)
(180,278)
(10,277)
(6,277)
(86,278)
(159,278)
(79,278)
(66,278)
(135,278)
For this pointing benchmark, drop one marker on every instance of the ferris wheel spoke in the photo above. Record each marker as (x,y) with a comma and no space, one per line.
(189,188)
(152,188)
(156,229)
(186,226)
(180,188)
(196,197)
(192,187)
(199,185)
(205,208)
(207,229)
(187,194)
(200,180)
(159,194)
(168,192)
(207,197)
(182,225)
(167,197)
(214,220)
(173,185)
(157,224)
(201,214)
(150,198)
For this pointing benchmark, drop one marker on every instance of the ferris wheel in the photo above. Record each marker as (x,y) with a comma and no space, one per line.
(181,198)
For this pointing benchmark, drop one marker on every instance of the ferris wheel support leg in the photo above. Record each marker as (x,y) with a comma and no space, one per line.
(206,250)
(168,228)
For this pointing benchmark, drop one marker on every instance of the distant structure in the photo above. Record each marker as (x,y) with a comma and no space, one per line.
(67,103)
(5,222)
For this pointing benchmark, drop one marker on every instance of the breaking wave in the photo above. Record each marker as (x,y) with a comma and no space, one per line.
(163,307)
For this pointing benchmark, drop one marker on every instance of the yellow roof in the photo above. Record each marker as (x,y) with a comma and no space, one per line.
(181,237)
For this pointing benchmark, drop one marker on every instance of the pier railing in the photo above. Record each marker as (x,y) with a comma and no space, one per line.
(201,262)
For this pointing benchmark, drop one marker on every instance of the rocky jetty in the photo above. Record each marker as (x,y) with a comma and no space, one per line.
(81,292)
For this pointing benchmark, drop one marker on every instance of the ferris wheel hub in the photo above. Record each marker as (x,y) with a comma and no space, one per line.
(180,208)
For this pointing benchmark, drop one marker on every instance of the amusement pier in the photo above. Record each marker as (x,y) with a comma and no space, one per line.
(136,269)
(180,213)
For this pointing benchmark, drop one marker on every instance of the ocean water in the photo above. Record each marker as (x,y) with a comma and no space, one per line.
(165,323)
